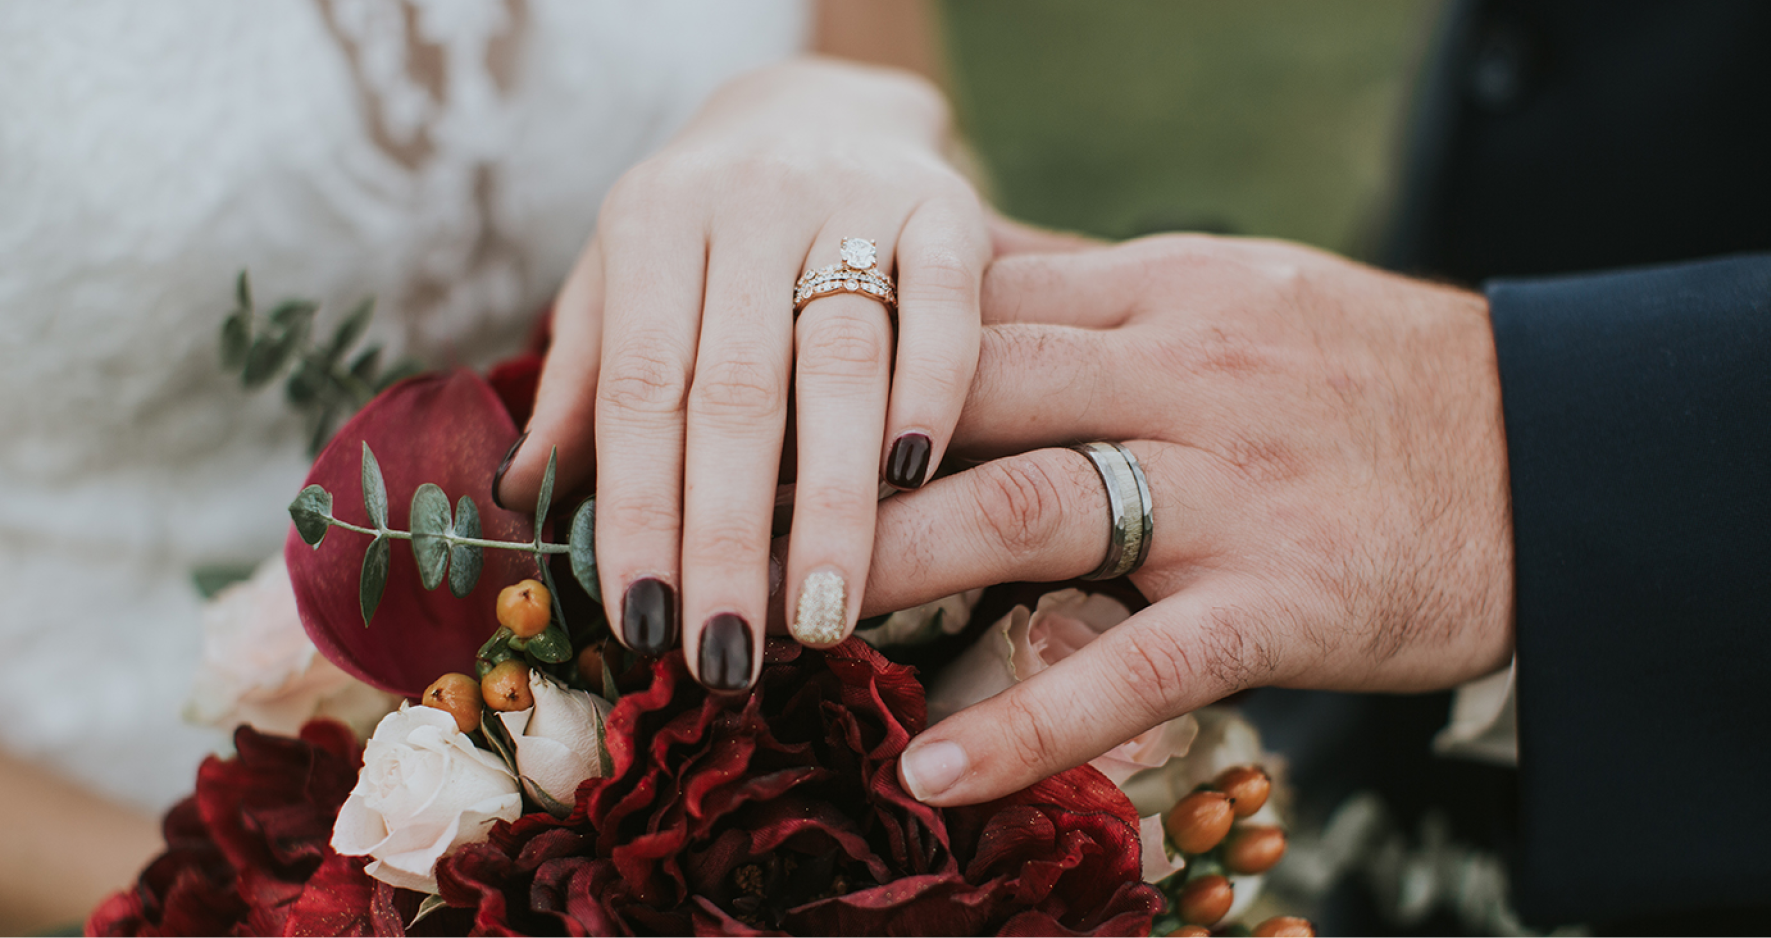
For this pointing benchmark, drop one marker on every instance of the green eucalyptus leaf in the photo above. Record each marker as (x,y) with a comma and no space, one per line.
(293,315)
(545,500)
(375,564)
(243,291)
(611,693)
(266,356)
(306,383)
(236,338)
(430,904)
(582,542)
(551,646)
(465,560)
(213,578)
(547,802)
(349,331)
(605,762)
(312,513)
(430,526)
(320,427)
(374,490)
(364,365)
(498,737)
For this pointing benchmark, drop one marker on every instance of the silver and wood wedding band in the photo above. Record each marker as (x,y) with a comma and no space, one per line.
(1128,506)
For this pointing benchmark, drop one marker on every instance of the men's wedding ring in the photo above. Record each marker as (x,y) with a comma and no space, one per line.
(1128,506)
(857,274)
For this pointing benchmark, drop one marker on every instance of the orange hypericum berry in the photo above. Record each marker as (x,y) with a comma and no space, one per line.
(1190,931)
(1285,926)
(1199,821)
(525,608)
(590,667)
(1253,849)
(457,695)
(1248,784)
(506,687)
(1205,900)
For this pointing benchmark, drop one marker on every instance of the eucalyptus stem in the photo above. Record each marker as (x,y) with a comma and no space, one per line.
(543,547)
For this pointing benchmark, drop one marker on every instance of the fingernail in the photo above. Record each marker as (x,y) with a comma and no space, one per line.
(504,466)
(648,616)
(931,769)
(823,609)
(725,653)
(908,465)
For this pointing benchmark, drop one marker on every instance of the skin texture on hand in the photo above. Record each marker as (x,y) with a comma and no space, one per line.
(1326,458)
(678,359)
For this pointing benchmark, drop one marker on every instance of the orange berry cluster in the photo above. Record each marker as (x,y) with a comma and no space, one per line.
(1204,827)
(525,609)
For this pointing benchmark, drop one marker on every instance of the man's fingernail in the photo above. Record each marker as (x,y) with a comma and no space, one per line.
(823,612)
(504,466)
(931,769)
(907,467)
(648,616)
(725,653)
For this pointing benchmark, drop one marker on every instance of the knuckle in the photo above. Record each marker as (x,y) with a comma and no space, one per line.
(739,386)
(1029,744)
(1156,672)
(1020,504)
(939,275)
(635,515)
(937,373)
(1237,648)
(724,544)
(845,344)
(642,379)
(835,508)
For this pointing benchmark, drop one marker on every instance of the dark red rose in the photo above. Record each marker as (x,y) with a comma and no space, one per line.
(242,849)
(782,812)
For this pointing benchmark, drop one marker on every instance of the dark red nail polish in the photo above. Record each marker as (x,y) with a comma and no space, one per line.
(504,466)
(908,465)
(648,616)
(725,653)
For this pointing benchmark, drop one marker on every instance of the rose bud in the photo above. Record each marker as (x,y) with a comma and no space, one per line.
(506,687)
(590,667)
(1190,931)
(1199,821)
(1285,926)
(1248,784)
(525,608)
(1253,849)
(1205,900)
(560,741)
(457,695)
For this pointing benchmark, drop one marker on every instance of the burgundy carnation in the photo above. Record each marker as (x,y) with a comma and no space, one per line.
(782,812)
(244,849)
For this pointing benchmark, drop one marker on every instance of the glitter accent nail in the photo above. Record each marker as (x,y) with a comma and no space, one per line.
(823,609)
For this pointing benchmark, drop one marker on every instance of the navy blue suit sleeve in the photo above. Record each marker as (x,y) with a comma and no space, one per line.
(1638,424)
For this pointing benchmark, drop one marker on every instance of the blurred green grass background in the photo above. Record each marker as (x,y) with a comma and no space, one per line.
(1122,117)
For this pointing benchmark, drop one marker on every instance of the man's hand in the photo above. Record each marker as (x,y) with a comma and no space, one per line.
(1326,459)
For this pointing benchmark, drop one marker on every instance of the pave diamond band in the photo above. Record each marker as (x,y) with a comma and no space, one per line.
(856,274)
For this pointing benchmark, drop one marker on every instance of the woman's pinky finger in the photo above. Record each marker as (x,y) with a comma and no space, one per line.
(941,255)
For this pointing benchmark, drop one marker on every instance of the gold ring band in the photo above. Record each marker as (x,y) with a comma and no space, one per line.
(857,274)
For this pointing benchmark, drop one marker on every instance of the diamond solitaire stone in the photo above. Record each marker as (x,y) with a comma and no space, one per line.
(858,253)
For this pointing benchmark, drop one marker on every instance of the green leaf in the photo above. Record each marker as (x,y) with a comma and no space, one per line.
(349,331)
(551,646)
(611,693)
(547,802)
(320,427)
(312,513)
(213,578)
(605,762)
(305,384)
(266,356)
(430,904)
(465,560)
(545,500)
(375,563)
(293,315)
(430,524)
(374,490)
(498,737)
(583,550)
(364,365)
(236,338)
(243,291)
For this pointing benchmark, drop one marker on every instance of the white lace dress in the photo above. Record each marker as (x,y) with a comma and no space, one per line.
(447,156)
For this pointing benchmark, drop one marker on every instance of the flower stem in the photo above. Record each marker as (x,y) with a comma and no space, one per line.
(456,540)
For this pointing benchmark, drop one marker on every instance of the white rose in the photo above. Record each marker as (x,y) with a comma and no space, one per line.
(259,667)
(925,623)
(425,790)
(559,741)
(1025,643)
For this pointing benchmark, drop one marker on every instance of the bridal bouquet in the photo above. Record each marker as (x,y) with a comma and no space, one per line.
(538,779)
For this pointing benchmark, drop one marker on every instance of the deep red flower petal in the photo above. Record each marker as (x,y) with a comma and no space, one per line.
(451,430)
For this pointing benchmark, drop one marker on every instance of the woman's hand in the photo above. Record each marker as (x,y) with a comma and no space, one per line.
(1327,470)
(676,344)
